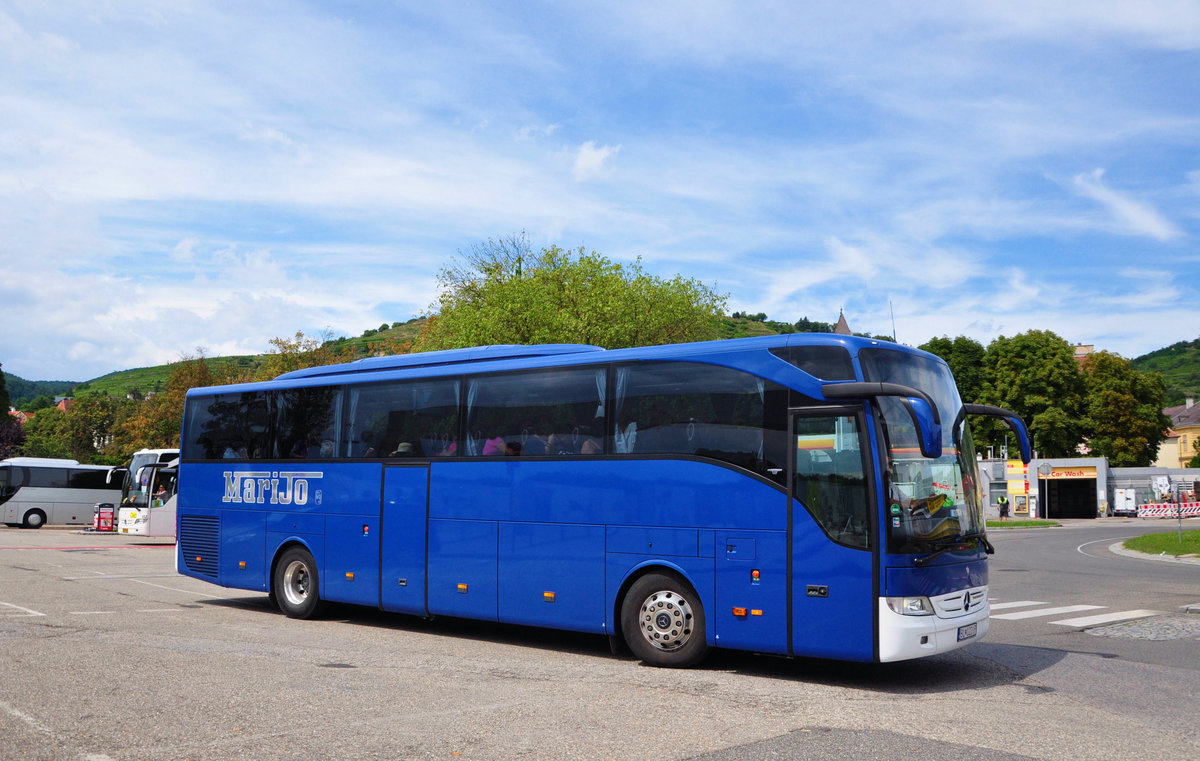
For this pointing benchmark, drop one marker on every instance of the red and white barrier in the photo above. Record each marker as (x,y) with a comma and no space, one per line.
(1186,509)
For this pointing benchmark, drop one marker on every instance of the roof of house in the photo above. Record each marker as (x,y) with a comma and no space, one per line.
(1183,415)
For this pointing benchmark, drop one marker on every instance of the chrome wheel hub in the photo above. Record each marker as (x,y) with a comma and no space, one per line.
(666,620)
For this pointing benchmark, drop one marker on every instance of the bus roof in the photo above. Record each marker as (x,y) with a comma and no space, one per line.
(436,358)
(48,462)
(750,354)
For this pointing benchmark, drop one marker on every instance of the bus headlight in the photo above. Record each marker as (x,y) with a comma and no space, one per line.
(910,606)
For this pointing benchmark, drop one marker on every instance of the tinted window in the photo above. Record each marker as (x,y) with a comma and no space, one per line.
(90,479)
(553,412)
(824,362)
(709,411)
(228,426)
(402,419)
(307,423)
(46,477)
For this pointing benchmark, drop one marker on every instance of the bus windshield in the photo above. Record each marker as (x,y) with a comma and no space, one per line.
(136,488)
(932,503)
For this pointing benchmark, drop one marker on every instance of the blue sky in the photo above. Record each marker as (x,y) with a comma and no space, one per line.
(184,175)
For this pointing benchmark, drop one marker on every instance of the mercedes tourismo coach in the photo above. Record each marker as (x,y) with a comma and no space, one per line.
(801,495)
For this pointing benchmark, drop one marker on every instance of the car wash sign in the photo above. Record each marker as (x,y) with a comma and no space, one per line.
(1084,472)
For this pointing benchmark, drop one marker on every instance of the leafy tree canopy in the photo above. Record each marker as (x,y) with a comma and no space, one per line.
(1035,375)
(502,292)
(1124,420)
(965,357)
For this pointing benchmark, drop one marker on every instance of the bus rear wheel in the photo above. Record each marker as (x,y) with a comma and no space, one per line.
(34,519)
(296,584)
(663,621)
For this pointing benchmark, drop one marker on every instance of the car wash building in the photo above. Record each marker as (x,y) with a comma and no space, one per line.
(1079,487)
(1075,487)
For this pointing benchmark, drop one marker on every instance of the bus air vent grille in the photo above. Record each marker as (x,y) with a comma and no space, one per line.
(199,542)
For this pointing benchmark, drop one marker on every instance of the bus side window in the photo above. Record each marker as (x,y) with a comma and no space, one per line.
(702,410)
(544,412)
(307,423)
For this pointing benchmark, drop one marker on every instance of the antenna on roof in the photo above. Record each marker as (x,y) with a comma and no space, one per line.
(893,311)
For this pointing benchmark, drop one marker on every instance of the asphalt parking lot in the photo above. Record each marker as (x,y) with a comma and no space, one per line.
(108,654)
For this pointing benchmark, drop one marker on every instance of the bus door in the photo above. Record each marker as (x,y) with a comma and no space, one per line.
(833,535)
(405,512)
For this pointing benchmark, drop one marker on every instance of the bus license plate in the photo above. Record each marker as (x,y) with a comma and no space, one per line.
(968,631)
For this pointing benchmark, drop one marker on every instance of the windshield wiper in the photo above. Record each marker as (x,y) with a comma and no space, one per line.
(987,546)
(956,543)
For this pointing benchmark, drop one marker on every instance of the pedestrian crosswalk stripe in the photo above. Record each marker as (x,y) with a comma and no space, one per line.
(1046,612)
(1106,618)
(1018,604)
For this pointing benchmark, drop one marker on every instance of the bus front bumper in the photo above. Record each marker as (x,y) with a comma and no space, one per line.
(904,637)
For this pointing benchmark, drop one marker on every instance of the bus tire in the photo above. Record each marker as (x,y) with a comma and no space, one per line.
(662,620)
(296,584)
(34,519)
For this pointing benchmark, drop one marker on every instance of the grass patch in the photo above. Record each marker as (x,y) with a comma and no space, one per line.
(1167,542)
(1023,524)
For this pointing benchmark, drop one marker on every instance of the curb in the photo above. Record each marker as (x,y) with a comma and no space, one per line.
(1117,548)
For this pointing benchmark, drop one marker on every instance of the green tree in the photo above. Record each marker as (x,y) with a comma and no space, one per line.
(46,435)
(87,425)
(1035,375)
(1195,461)
(155,423)
(42,402)
(965,357)
(300,352)
(1124,420)
(5,401)
(503,292)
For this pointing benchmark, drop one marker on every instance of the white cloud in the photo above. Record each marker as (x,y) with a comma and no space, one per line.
(227,178)
(1131,216)
(590,161)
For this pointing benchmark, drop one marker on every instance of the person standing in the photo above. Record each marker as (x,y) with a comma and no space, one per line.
(1003,503)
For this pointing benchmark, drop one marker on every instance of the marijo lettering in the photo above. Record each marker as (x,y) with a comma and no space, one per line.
(268,487)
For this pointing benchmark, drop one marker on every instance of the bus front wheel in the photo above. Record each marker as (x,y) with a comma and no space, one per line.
(663,621)
(34,519)
(296,585)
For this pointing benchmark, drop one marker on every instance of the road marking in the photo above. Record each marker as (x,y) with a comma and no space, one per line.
(1046,612)
(1106,618)
(1079,549)
(175,589)
(107,576)
(24,611)
(88,612)
(32,722)
(1020,604)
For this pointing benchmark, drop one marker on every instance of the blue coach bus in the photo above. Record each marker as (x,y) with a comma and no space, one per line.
(802,495)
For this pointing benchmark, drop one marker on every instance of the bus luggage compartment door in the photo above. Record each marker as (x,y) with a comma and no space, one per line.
(405,512)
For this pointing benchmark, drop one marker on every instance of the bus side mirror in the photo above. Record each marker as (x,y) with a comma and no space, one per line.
(929,430)
(921,408)
(1009,418)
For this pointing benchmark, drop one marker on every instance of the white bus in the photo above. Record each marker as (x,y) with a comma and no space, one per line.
(148,495)
(35,491)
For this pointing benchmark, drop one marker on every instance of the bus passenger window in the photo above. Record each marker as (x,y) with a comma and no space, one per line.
(307,422)
(545,412)
(702,410)
(401,419)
